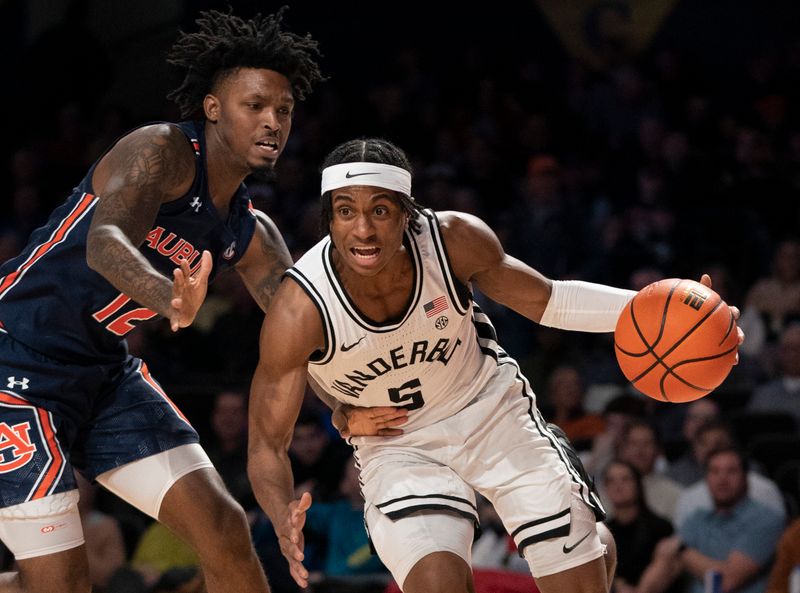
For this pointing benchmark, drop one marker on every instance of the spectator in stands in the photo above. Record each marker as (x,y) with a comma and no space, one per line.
(340,524)
(228,448)
(712,436)
(564,407)
(636,529)
(688,468)
(104,544)
(783,393)
(773,301)
(317,459)
(737,537)
(641,448)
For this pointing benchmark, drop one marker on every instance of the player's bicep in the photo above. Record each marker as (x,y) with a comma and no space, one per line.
(290,333)
(150,166)
(478,257)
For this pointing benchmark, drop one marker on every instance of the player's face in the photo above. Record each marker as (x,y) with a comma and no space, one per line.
(253,108)
(367,227)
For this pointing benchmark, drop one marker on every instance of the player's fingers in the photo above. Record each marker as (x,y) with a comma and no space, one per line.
(395,422)
(305,502)
(390,432)
(187,272)
(178,281)
(388,413)
(299,574)
(206,263)
(705,280)
(740,334)
(735,312)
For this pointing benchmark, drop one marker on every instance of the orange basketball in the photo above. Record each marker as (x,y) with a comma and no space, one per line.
(676,340)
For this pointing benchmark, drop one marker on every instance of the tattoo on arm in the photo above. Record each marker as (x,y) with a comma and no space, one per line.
(273,260)
(146,170)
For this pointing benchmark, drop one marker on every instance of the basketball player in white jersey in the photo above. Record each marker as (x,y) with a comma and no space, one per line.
(380,313)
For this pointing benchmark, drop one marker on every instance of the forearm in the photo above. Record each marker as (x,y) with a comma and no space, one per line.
(584,306)
(659,575)
(698,563)
(111,254)
(270,474)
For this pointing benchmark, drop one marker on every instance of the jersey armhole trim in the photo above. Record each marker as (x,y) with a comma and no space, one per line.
(320,356)
(459,294)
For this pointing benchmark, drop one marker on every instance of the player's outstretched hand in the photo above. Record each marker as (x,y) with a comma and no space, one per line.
(188,292)
(291,540)
(705,280)
(353,421)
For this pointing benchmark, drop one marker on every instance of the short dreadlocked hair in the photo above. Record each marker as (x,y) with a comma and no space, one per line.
(226,42)
(369,150)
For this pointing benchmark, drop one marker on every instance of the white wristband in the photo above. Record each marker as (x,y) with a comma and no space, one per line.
(584,306)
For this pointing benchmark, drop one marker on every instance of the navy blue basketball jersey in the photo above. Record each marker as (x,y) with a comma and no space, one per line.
(51,301)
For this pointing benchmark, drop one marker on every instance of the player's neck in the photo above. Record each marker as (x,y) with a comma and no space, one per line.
(384,295)
(224,173)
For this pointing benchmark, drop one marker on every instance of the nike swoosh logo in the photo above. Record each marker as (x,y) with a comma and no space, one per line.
(349,175)
(567,549)
(346,347)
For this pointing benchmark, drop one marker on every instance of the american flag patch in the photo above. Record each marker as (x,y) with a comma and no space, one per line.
(436,306)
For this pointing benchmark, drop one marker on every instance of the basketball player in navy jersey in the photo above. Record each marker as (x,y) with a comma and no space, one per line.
(379,314)
(160,214)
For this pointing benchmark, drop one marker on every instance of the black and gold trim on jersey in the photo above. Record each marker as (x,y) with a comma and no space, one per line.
(350,308)
(459,294)
(324,356)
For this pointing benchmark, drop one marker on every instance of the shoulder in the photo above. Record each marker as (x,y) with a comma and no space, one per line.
(159,134)
(160,150)
(460,224)
(266,225)
(293,321)
(471,245)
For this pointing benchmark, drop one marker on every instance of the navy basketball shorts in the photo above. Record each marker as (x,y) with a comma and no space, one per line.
(56,417)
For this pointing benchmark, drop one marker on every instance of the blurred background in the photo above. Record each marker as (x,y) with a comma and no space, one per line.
(616,141)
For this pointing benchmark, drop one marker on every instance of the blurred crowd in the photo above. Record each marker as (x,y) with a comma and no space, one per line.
(653,167)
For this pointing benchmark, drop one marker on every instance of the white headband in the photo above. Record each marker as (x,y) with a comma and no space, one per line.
(377,174)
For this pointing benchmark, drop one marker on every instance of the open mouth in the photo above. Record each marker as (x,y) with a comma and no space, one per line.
(365,253)
(268,146)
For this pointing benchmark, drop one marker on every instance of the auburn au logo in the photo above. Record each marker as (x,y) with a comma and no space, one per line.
(16,448)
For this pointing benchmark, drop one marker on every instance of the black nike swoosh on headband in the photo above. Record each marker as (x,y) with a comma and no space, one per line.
(349,175)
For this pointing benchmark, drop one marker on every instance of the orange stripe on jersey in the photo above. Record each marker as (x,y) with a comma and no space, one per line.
(54,240)
(13,400)
(152,382)
(57,463)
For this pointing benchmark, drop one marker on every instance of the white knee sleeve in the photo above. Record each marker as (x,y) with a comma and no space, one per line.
(42,526)
(144,482)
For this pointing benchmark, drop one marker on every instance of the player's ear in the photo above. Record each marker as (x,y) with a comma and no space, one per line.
(211,108)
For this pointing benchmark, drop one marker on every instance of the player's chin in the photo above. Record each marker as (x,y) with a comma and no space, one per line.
(263,171)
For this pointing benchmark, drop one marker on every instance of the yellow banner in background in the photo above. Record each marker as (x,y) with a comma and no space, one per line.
(604,32)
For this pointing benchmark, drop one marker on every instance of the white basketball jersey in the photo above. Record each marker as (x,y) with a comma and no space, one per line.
(434,359)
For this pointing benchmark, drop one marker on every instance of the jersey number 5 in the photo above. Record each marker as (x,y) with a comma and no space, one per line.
(400,395)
